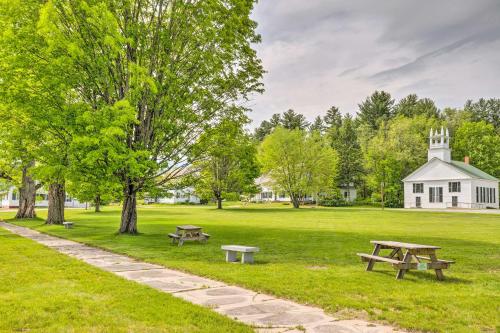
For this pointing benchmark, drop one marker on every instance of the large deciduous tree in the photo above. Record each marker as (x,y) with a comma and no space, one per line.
(173,65)
(481,143)
(398,148)
(228,162)
(298,162)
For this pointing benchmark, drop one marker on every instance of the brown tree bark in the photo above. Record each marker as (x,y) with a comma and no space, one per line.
(219,203)
(295,200)
(57,196)
(27,197)
(97,203)
(129,211)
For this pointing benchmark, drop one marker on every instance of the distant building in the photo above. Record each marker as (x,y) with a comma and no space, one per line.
(268,194)
(443,183)
(348,192)
(185,195)
(10,199)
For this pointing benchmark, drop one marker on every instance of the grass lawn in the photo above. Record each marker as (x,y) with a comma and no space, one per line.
(44,291)
(309,255)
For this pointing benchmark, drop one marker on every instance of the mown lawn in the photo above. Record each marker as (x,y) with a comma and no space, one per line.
(309,255)
(44,291)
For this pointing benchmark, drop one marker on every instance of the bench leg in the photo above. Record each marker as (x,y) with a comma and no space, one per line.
(231,256)
(401,272)
(247,258)
(371,262)
(181,242)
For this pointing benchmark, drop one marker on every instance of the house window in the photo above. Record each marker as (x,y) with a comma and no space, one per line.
(453,187)
(14,195)
(346,194)
(435,194)
(267,195)
(418,188)
(282,195)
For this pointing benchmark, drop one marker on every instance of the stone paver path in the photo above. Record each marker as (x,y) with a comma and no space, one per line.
(266,313)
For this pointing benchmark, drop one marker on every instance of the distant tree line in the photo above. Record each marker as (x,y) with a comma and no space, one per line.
(387,140)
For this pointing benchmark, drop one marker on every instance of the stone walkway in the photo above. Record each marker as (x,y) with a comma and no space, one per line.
(266,313)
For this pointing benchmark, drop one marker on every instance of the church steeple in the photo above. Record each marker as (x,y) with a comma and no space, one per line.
(439,145)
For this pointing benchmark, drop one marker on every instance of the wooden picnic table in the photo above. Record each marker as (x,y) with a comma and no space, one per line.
(188,233)
(406,256)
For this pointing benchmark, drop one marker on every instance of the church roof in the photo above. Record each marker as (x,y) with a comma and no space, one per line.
(465,169)
(472,170)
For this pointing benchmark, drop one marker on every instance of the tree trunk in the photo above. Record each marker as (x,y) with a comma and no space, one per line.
(97,203)
(129,212)
(295,200)
(219,203)
(57,197)
(27,197)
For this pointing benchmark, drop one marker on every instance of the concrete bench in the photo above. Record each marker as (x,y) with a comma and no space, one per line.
(246,253)
(68,225)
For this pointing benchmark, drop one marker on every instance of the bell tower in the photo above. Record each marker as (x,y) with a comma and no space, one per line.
(439,145)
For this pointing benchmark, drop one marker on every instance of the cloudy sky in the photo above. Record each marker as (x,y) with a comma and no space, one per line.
(319,53)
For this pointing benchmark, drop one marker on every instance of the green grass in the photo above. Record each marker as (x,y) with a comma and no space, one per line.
(44,291)
(309,255)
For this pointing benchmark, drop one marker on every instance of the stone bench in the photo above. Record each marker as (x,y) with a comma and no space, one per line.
(246,253)
(68,225)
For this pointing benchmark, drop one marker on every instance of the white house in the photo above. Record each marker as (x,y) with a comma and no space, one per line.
(10,199)
(270,194)
(184,195)
(443,183)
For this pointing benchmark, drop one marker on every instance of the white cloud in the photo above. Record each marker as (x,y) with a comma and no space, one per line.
(320,53)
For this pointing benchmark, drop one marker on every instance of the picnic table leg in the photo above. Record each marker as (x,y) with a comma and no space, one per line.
(181,242)
(439,272)
(406,259)
(371,262)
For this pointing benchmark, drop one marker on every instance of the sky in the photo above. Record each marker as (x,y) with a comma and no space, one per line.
(319,53)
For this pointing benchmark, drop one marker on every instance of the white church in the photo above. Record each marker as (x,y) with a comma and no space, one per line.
(443,183)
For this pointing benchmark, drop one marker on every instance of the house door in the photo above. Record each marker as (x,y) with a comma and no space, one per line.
(454,201)
(418,202)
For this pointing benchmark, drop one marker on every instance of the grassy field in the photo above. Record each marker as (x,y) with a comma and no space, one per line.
(308,255)
(44,291)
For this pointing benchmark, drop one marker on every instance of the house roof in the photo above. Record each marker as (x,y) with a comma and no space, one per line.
(472,170)
(462,167)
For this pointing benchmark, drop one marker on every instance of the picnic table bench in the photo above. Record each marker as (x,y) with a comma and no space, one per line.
(188,233)
(406,256)
(246,253)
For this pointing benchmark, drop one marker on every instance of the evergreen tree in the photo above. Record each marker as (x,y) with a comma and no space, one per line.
(333,117)
(292,120)
(412,106)
(347,146)
(318,125)
(376,108)
(487,110)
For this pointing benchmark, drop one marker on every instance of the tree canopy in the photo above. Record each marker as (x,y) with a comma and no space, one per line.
(298,162)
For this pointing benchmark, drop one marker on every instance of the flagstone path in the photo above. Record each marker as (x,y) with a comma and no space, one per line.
(266,313)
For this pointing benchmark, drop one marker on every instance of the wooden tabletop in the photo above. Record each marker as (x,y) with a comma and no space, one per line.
(188,227)
(404,245)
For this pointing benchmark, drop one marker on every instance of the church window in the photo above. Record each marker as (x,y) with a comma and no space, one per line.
(435,194)
(454,187)
(418,188)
